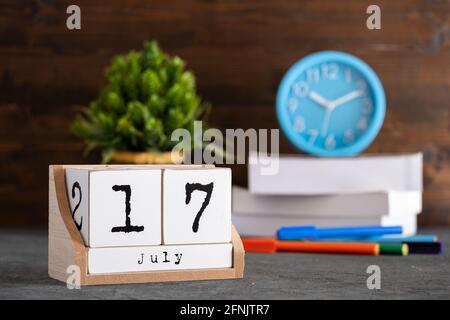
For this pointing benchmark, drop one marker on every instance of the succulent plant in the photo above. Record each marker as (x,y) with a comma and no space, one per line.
(148,95)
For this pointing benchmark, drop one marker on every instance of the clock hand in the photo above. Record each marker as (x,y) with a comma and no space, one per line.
(346,98)
(326,122)
(319,99)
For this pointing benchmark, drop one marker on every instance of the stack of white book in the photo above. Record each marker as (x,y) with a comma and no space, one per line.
(367,190)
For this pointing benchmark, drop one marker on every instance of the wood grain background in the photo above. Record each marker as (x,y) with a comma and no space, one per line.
(239,51)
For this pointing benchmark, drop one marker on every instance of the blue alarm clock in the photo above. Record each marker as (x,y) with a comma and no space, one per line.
(331,104)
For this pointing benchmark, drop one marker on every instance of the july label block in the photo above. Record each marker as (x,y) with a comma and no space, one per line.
(116,207)
(154,258)
(197,206)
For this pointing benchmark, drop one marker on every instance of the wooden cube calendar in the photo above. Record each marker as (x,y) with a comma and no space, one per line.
(145,223)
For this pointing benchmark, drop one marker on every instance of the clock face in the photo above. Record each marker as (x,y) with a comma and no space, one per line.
(331,104)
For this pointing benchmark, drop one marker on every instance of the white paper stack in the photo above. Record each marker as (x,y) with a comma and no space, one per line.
(371,190)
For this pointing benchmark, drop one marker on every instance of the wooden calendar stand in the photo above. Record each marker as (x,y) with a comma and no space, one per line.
(66,247)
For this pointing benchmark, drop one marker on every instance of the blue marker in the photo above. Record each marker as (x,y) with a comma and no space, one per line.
(313,233)
(387,239)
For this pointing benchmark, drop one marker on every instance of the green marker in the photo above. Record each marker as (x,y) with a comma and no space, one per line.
(396,249)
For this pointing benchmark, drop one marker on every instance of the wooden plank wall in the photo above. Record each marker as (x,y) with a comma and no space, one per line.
(239,51)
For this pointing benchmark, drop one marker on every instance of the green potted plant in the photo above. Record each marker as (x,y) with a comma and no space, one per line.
(148,95)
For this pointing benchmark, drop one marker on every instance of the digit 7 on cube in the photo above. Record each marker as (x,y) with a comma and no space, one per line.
(197,206)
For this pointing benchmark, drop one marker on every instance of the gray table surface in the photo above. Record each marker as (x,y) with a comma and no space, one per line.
(23,275)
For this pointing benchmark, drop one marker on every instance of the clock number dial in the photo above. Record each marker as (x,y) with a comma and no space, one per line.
(349,136)
(313,75)
(330,142)
(362,124)
(293,105)
(348,75)
(361,85)
(367,106)
(299,124)
(301,89)
(330,71)
(313,134)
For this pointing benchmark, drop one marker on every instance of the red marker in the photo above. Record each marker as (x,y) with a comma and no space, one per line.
(270,245)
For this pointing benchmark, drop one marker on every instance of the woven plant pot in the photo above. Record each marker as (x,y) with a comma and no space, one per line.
(129,157)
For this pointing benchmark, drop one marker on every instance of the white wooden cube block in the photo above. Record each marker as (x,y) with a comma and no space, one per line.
(197,206)
(116,207)
(77,184)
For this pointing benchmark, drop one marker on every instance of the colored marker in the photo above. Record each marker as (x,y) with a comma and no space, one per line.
(417,238)
(396,249)
(311,232)
(269,245)
(388,239)
(424,247)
